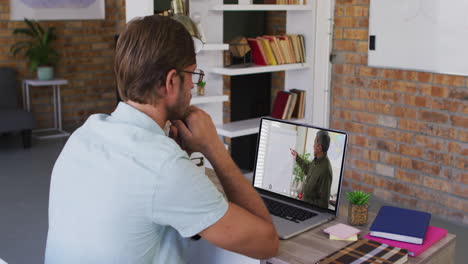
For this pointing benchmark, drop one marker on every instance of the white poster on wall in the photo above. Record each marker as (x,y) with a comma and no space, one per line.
(57,9)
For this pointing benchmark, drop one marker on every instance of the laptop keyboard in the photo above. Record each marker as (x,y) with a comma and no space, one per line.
(286,211)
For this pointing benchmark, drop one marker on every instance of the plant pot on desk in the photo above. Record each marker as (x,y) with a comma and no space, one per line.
(357,214)
(45,73)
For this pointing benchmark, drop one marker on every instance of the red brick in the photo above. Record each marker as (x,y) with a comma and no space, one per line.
(415,100)
(398,160)
(454,148)
(363,165)
(341,91)
(368,71)
(353,104)
(459,121)
(449,80)
(353,58)
(434,117)
(425,167)
(359,140)
(418,76)
(404,87)
(393,74)
(439,157)
(357,11)
(460,94)
(354,127)
(339,11)
(385,145)
(379,84)
(403,137)
(437,91)
(373,155)
(343,68)
(346,45)
(379,107)
(337,33)
(404,200)
(405,112)
(461,163)
(364,117)
(411,151)
(445,105)
(436,184)
(382,194)
(376,132)
(459,190)
(363,46)
(347,22)
(408,176)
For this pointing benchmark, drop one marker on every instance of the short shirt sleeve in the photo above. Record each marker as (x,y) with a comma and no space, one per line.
(185,198)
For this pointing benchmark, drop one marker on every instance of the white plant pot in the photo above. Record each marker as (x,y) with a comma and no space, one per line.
(45,73)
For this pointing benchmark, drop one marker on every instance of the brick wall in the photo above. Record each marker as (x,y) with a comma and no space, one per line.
(86,60)
(408,129)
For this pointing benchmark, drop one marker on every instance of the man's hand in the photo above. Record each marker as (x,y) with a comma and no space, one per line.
(196,133)
(293,152)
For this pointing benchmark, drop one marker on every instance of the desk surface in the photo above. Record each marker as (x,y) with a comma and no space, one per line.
(313,244)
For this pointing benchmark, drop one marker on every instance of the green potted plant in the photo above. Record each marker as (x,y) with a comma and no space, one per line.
(37,48)
(201,88)
(358,207)
(299,176)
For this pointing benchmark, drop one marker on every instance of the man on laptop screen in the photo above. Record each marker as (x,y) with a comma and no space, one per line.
(302,166)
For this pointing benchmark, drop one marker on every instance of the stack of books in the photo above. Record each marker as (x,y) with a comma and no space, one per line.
(366,251)
(289,105)
(275,50)
(405,228)
(342,232)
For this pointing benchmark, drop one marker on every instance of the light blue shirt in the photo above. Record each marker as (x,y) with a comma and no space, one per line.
(123,192)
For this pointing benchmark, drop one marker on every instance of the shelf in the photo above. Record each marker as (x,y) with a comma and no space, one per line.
(214,46)
(262,8)
(259,69)
(244,127)
(208,98)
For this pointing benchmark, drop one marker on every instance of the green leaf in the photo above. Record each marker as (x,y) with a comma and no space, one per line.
(17,47)
(31,25)
(24,31)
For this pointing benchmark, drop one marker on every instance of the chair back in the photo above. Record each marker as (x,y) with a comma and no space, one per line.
(8,95)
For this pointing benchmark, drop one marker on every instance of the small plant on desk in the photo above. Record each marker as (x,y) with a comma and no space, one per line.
(358,207)
(201,88)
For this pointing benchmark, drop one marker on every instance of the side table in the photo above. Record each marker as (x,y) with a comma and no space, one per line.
(27,84)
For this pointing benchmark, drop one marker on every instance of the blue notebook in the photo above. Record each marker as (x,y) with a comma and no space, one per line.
(401,224)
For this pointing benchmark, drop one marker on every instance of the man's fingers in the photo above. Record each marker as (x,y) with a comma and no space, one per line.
(182,129)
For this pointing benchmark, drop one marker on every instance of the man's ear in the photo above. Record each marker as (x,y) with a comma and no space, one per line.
(170,84)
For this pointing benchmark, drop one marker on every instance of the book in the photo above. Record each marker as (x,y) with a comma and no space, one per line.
(279,104)
(342,231)
(268,52)
(257,55)
(288,104)
(298,111)
(291,105)
(367,251)
(433,235)
(351,238)
(400,224)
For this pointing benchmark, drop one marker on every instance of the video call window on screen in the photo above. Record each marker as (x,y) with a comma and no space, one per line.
(300,162)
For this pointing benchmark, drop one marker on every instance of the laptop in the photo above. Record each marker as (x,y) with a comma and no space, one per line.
(299,195)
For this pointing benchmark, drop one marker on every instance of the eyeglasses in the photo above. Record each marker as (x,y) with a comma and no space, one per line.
(197,75)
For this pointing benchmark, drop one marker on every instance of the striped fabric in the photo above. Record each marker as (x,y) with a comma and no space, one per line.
(367,252)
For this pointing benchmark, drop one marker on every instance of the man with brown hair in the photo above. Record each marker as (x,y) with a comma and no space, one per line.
(124,192)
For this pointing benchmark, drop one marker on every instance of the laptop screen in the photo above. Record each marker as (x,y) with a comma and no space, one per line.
(300,161)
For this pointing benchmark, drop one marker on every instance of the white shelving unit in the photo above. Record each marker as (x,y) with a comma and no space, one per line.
(208,98)
(244,127)
(214,47)
(262,8)
(259,69)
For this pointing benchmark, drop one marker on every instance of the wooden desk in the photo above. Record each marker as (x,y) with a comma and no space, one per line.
(313,245)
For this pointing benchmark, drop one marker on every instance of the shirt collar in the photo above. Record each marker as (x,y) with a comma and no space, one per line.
(321,159)
(129,114)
